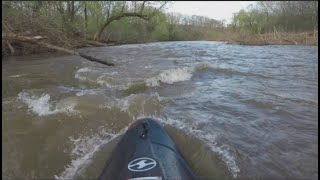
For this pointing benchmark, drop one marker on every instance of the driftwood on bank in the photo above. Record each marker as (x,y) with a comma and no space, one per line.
(37,40)
(95,43)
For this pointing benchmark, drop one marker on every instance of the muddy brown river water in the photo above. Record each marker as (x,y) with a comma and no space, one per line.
(243,112)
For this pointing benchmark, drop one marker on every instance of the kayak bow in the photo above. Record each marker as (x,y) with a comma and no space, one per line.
(146,151)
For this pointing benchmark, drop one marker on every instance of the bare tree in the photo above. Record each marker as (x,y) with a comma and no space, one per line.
(135,9)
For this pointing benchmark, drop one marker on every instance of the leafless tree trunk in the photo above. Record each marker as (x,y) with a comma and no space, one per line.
(85,16)
(122,14)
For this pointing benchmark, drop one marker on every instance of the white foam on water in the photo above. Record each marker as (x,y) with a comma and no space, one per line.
(17,76)
(209,138)
(105,81)
(83,151)
(41,105)
(65,89)
(170,76)
(38,105)
(138,101)
(82,73)
(85,69)
(82,78)
(86,92)
(124,103)
(135,104)
(78,91)
(110,73)
(177,75)
(66,106)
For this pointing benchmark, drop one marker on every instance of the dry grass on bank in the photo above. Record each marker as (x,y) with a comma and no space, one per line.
(277,38)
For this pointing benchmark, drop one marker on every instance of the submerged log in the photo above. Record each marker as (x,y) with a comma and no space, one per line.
(36,40)
(90,58)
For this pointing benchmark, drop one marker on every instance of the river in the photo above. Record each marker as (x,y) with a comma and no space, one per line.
(244,112)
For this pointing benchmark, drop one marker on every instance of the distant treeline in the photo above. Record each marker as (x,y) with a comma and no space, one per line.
(136,21)
(282,16)
(63,22)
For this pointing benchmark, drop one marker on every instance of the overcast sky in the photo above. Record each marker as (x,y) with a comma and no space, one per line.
(218,10)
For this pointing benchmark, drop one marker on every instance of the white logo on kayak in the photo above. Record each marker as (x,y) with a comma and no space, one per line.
(142,164)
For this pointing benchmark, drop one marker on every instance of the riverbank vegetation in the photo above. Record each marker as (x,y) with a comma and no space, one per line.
(74,24)
(278,22)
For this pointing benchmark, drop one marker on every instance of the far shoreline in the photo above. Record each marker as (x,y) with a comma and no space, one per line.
(242,40)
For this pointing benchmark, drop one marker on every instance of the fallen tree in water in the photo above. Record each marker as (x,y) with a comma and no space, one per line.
(38,40)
